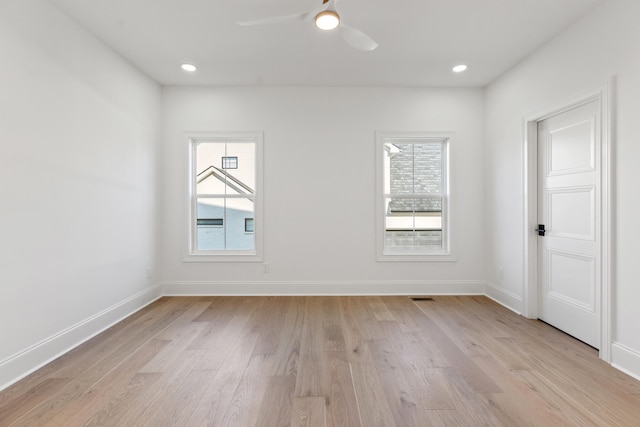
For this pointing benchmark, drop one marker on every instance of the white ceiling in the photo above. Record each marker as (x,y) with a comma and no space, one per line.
(420,40)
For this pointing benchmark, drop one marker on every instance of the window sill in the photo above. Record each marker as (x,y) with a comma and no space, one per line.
(240,256)
(406,257)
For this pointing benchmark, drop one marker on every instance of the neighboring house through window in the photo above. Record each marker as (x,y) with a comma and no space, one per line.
(225,198)
(413,196)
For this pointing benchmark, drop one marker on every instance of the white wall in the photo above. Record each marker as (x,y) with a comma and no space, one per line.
(79,132)
(604,44)
(320,187)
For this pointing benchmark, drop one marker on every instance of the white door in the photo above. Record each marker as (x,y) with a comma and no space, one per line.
(569,199)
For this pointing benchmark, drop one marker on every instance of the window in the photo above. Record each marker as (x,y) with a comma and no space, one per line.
(413,199)
(212,222)
(248,225)
(229,163)
(225,197)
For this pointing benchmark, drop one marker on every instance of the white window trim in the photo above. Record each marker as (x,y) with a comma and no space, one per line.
(255,255)
(446,253)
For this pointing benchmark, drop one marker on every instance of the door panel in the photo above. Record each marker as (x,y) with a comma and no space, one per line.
(571,279)
(570,213)
(568,150)
(569,207)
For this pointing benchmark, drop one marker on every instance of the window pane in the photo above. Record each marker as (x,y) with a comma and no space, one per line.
(225,167)
(413,168)
(229,216)
(412,225)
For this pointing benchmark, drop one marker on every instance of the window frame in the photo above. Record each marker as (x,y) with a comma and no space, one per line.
(224,255)
(443,254)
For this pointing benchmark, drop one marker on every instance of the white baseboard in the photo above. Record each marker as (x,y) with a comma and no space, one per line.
(436,287)
(505,298)
(625,359)
(21,364)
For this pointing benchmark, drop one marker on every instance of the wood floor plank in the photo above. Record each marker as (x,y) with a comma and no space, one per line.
(434,391)
(176,404)
(485,314)
(475,377)
(329,361)
(215,400)
(333,336)
(308,412)
(372,401)
(401,310)
(311,376)
(342,404)
(277,406)
(330,310)
(80,410)
(126,404)
(15,407)
(457,328)
(173,351)
(272,313)
(243,410)
(312,336)
(150,398)
(100,355)
(355,343)
(219,337)
(584,397)
(379,309)
(470,408)
(564,403)
(220,308)
(400,391)
(537,412)
(289,339)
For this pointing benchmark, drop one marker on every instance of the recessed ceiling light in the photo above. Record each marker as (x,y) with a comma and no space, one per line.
(327,20)
(459,68)
(188,67)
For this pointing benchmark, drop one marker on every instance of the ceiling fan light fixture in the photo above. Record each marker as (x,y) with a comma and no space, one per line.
(327,20)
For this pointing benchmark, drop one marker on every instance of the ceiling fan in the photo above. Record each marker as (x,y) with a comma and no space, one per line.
(326,18)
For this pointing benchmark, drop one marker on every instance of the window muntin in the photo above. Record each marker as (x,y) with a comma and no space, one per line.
(413,196)
(224,194)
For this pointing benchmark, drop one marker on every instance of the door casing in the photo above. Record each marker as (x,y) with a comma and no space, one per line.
(530,201)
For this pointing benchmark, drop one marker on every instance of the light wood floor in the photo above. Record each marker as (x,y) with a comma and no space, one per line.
(325,361)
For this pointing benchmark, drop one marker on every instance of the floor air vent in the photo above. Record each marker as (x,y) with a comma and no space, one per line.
(422,298)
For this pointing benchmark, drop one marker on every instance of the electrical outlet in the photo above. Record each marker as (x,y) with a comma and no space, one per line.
(501,273)
(265,267)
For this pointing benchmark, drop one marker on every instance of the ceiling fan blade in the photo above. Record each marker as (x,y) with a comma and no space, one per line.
(357,39)
(299,17)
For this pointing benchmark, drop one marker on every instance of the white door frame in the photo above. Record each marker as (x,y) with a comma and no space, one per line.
(530,197)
